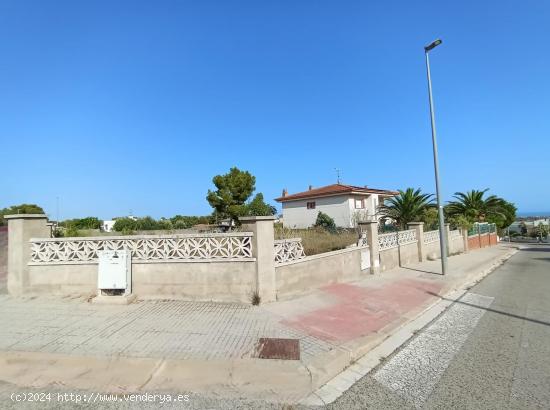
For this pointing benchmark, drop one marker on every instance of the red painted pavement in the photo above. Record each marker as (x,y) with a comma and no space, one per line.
(362,310)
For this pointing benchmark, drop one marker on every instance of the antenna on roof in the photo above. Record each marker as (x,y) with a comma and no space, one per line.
(337,175)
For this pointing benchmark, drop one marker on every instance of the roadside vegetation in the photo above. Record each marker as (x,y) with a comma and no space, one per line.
(410,205)
(475,206)
(467,208)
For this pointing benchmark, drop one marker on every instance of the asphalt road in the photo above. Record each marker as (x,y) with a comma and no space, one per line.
(491,350)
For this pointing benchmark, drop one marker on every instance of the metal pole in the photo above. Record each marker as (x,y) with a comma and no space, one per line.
(442,233)
(56,211)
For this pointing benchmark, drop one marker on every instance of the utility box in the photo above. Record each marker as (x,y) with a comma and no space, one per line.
(114,272)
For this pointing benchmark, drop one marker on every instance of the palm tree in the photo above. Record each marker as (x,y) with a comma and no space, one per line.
(475,207)
(408,206)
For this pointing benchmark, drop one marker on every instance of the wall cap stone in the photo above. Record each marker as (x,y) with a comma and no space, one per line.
(323,255)
(256,218)
(147,262)
(26,216)
(138,237)
(415,223)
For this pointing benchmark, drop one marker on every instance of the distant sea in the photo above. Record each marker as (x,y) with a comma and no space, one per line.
(527,214)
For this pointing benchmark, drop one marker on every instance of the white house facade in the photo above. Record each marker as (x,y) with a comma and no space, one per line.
(108,225)
(346,204)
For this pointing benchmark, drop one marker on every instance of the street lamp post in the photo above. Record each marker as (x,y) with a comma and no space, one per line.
(442,233)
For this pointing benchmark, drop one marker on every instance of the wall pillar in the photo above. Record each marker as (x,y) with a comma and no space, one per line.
(419,228)
(21,228)
(51,226)
(371,228)
(263,249)
(465,239)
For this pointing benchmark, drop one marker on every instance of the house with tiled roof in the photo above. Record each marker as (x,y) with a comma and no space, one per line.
(346,204)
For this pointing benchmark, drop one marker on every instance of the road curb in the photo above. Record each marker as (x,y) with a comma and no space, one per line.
(338,385)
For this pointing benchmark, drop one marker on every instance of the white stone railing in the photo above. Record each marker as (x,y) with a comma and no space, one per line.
(145,248)
(455,233)
(394,239)
(387,241)
(406,237)
(431,236)
(288,250)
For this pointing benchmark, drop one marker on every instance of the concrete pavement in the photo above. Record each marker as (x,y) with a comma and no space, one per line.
(203,346)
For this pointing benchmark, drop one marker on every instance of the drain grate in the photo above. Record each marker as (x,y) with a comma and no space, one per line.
(282,349)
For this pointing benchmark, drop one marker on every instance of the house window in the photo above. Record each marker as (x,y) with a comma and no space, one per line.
(310,205)
(359,204)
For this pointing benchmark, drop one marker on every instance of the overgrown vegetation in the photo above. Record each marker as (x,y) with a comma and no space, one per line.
(142,224)
(90,222)
(186,222)
(318,240)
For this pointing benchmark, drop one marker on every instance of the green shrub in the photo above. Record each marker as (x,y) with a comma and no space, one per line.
(326,222)
(122,224)
(71,231)
(127,231)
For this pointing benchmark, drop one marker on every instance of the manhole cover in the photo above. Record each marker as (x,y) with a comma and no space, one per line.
(283,349)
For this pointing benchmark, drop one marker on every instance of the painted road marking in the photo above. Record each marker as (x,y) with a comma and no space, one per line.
(414,371)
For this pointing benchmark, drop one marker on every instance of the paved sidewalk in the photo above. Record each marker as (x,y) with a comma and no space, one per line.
(335,325)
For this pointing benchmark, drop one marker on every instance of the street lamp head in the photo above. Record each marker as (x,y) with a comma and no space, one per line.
(432,45)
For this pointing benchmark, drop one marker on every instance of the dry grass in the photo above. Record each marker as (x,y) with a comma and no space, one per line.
(318,240)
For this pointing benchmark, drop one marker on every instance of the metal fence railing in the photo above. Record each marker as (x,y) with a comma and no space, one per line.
(482,228)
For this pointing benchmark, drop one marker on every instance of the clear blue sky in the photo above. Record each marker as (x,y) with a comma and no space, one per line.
(126,105)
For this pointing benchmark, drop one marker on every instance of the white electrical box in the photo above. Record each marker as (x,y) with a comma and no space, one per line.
(115,271)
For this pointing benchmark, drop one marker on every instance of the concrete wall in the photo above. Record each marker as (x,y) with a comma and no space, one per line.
(432,249)
(21,228)
(3,257)
(318,270)
(456,245)
(402,255)
(252,270)
(78,279)
(216,281)
(389,259)
(233,279)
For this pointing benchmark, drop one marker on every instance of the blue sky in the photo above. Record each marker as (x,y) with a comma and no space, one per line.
(119,106)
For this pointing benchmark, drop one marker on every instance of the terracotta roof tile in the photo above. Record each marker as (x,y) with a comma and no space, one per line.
(334,189)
